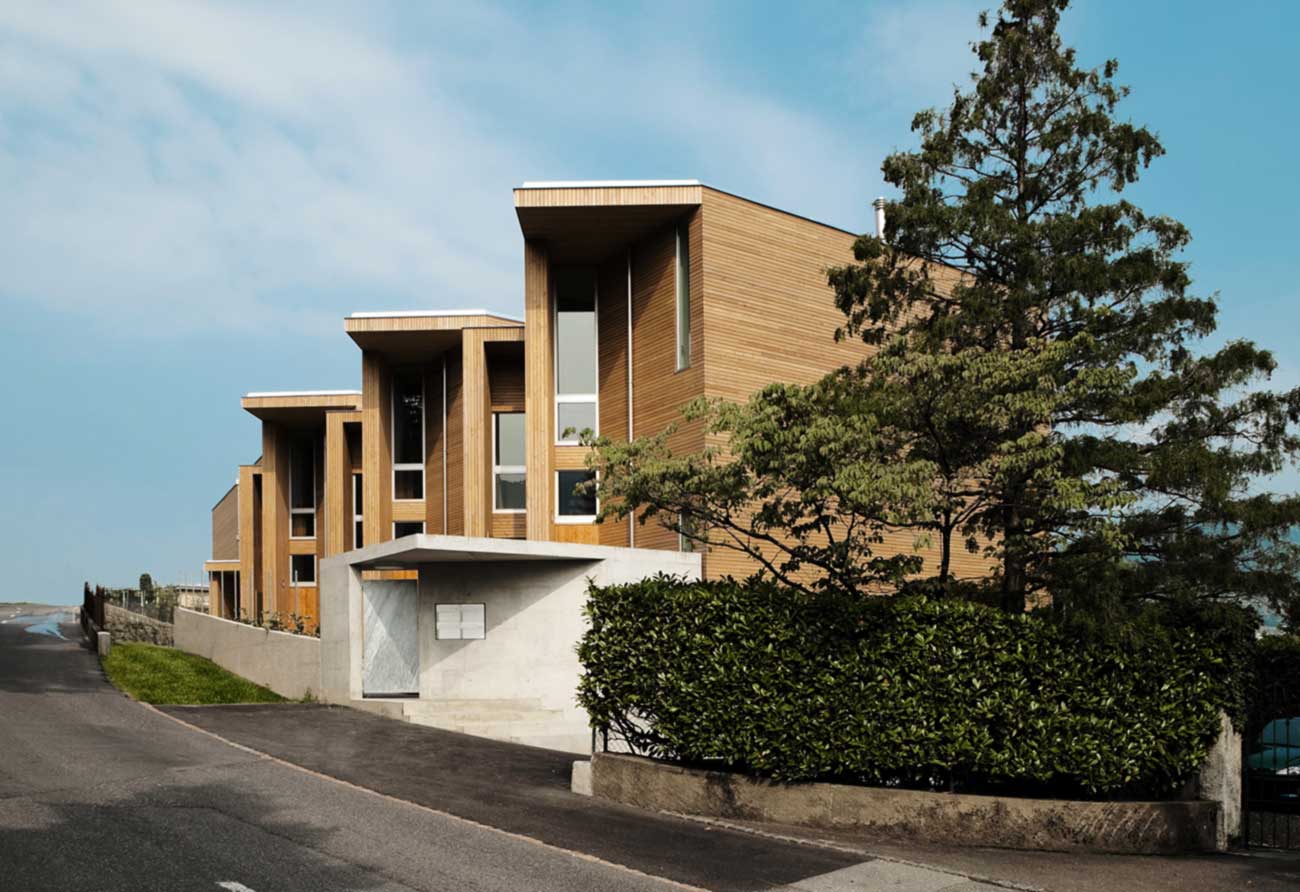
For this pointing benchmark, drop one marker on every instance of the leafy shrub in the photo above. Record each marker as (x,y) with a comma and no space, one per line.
(900,691)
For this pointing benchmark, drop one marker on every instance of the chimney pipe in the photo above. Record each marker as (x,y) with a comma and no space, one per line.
(879,205)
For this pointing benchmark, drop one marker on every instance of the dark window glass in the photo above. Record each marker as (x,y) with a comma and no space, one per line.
(303,567)
(304,525)
(407,528)
(302,475)
(357,539)
(408,417)
(512,494)
(576,504)
(408,484)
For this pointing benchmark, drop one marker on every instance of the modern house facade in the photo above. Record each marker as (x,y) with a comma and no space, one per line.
(639,296)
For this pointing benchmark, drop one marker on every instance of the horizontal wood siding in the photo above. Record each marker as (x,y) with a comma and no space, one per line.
(434,510)
(769,315)
(225,526)
(611,318)
(455,445)
(658,390)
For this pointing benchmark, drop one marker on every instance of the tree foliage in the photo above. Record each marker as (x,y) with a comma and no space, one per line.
(1034,391)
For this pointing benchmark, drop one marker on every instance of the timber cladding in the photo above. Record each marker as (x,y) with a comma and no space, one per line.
(659,390)
(770,315)
(225,526)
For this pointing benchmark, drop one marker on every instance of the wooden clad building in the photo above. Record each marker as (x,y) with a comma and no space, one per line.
(639,296)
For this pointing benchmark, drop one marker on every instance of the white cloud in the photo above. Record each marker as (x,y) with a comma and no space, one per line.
(913,53)
(170,167)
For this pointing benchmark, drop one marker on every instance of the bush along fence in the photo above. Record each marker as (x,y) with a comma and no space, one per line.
(902,692)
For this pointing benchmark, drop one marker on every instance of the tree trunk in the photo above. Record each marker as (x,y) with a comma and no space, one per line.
(1013,564)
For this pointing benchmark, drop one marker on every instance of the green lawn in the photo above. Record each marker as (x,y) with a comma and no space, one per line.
(166,675)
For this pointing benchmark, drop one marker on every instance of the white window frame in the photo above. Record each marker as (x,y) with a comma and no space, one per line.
(358,505)
(315,571)
(312,510)
(424,432)
(504,469)
(681,289)
(572,518)
(575,398)
(420,522)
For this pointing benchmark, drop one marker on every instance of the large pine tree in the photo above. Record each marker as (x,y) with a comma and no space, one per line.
(1113,452)
(1035,394)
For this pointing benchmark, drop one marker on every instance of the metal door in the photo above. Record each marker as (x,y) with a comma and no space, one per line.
(390,646)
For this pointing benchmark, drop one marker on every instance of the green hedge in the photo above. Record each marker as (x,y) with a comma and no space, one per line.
(899,691)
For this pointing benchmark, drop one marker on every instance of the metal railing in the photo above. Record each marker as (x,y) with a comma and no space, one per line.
(1271,786)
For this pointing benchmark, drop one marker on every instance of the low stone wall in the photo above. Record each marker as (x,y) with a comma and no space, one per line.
(287,664)
(950,818)
(124,625)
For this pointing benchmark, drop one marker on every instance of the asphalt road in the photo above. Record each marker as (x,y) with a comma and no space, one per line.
(99,792)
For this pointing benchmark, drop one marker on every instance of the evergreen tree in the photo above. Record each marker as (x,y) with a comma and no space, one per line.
(1035,389)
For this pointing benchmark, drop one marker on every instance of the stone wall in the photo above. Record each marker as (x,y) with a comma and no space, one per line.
(287,664)
(124,625)
(951,818)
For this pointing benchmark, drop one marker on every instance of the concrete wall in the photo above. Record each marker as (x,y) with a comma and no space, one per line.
(520,681)
(952,819)
(287,664)
(124,625)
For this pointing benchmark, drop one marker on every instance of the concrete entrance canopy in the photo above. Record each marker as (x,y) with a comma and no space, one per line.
(519,680)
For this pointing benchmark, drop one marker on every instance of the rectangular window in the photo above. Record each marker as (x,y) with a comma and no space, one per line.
(303,569)
(302,490)
(575,353)
(508,464)
(683,297)
(408,436)
(687,527)
(458,622)
(358,504)
(407,528)
(573,505)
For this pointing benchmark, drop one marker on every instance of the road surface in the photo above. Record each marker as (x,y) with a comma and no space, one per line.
(99,792)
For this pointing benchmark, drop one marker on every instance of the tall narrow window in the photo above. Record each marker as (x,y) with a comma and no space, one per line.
(358,504)
(683,297)
(302,490)
(408,436)
(508,464)
(575,353)
(575,503)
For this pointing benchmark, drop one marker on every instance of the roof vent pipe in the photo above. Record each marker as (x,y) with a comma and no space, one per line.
(879,205)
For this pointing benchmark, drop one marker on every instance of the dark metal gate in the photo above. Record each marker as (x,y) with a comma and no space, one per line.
(1271,786)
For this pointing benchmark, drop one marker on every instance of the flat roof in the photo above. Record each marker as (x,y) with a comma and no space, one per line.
(425,548)
(299,408)
(274,394)
(429,314)
(604,184)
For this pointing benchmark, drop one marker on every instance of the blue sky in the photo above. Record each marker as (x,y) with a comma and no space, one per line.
(193,195)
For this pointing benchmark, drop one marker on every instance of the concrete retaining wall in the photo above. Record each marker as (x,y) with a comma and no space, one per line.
(287,664)
(957,819)
(124,625)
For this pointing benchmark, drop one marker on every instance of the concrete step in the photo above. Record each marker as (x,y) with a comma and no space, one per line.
(480,707)
(551,732)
